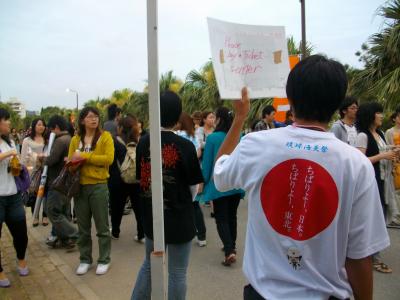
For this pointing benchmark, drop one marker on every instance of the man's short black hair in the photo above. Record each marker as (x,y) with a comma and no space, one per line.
(316,87)
(112,111)
(347,102)
(267,110)
(59,121)
(170,109)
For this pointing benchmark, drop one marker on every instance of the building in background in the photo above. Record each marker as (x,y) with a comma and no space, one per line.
(32,113)
(18,106)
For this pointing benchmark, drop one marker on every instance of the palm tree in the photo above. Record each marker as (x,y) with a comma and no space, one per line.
(200,91)
(294,49)
(381,75)
(120,97)
(169,82)
(138,105)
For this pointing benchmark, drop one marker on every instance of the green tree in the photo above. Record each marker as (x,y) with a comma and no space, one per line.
(380,77)
(27,121)
(120,97)
(138,105)
(200,90)
(47,112)
(168,81)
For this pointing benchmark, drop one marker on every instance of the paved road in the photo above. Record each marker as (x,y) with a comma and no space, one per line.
(207,278)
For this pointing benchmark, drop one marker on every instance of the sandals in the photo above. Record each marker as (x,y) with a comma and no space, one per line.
(382,268)
(230,259)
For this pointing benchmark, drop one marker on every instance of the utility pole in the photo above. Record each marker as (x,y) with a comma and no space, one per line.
(303,29)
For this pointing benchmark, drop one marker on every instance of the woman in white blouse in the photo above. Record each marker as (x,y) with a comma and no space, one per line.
(32,149)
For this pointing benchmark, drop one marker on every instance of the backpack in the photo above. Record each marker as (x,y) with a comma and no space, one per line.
(128,166)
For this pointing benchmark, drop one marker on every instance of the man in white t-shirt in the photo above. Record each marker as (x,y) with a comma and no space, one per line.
(345,129)
(314,211)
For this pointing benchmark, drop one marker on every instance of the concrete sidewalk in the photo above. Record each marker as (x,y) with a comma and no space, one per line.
(53,270)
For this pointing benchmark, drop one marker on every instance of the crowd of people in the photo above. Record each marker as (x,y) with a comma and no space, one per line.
(284,168)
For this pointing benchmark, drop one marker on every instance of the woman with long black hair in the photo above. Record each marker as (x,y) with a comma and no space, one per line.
(226,203)
(97,148)
(11,207)
(32,150)
(371,142)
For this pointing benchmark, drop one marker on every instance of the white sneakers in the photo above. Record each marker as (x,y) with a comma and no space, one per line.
(83,268)
(201,243)
(102,269)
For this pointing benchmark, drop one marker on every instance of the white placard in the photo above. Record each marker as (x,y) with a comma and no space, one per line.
(285,107)
(249,55)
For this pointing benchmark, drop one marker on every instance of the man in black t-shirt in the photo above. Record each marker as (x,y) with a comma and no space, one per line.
(181,175)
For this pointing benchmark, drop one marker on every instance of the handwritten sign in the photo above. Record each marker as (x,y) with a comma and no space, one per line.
(248,55)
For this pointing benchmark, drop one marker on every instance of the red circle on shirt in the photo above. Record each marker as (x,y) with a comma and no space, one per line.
(299,198)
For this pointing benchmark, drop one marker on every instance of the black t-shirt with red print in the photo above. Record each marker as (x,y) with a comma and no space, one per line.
(181,169)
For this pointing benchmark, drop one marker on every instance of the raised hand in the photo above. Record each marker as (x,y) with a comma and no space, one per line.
(242,106)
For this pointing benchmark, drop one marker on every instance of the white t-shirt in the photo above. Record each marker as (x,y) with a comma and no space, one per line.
(351,134)
(313,201)
(7,182)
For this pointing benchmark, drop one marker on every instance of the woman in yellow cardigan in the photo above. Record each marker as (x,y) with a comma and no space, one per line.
(97,147)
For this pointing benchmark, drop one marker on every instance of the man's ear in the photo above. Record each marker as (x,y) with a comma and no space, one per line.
(292,108)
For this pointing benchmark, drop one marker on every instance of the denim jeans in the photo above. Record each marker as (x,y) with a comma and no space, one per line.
(178,261)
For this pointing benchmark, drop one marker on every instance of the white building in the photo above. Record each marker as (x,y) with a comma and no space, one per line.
(17,106)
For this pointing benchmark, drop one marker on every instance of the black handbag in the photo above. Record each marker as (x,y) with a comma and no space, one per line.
(73,183)
(67,183)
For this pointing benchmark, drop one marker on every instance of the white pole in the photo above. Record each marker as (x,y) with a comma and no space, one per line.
(43,179)
(158,285)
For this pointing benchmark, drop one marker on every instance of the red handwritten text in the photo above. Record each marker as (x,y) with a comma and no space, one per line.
(246,69)
(230,44)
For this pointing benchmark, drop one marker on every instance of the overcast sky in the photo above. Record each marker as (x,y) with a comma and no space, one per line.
(98,46)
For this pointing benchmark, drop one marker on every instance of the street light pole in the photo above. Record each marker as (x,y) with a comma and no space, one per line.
(303,29)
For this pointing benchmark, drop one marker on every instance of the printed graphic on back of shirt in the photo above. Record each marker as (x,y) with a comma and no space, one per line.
(170,158)
(300,200)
